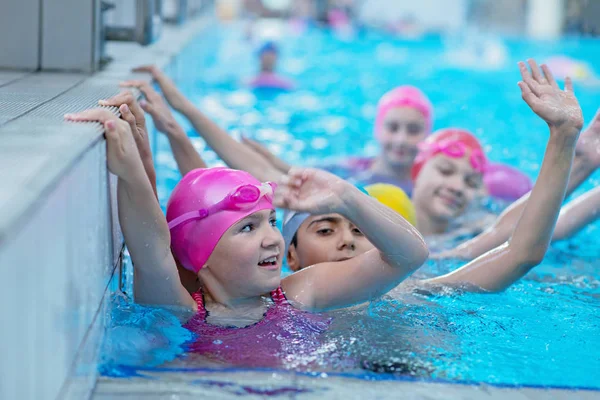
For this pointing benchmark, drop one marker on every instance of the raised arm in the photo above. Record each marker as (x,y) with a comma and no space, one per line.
(235,154)
(577,214)
(275,161)
(399,248)
(185,154)
(501,267)
(142,221)
(132,113)
(587,160)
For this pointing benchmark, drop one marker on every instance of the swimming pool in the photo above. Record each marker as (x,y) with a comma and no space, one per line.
(541,332)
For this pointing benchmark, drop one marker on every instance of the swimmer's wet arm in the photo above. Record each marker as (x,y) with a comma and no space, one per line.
(501,267)
(235,154)
(275,161)
(156,280)
(134,115)
(185,154)
(399,251)
(577,214)
(143,224)
(587,160)
(183,149)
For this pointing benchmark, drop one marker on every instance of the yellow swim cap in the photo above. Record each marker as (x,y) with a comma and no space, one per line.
(395,198)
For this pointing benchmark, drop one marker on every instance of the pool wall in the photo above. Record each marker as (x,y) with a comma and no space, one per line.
(60,243)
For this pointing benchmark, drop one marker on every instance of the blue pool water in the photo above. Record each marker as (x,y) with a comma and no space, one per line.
(543,331)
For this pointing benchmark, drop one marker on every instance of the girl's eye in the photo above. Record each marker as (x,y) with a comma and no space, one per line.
(273,222)
(393,127)
(247,228)
(445,171)
(414,128)
(357,231)
(473,182)
(325,231)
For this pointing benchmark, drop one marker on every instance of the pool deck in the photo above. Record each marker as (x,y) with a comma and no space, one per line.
(182,386)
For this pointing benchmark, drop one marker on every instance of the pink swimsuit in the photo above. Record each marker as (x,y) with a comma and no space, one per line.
(283,331)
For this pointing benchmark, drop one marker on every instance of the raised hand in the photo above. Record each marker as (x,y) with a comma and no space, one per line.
(174,97)
(154,105)
(311,190)
(151,69)
(559,108)
(121,151)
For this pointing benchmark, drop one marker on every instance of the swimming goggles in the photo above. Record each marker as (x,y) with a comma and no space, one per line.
(456,149)
(242,197)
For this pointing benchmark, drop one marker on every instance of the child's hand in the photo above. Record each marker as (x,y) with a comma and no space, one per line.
(151,69)
(311,190)
(154,105)
(174,97)
(559,108)
(588,145)
(121,151)
(134,115)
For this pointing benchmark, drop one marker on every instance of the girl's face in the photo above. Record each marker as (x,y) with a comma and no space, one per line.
(446,186)
(400,133)
(326,238)
(247,259)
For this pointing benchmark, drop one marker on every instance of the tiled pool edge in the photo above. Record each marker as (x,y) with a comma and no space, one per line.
(59,235)
(276,385)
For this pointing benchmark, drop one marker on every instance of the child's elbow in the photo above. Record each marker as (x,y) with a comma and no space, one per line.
(532,256)
(561,232)
(419,256)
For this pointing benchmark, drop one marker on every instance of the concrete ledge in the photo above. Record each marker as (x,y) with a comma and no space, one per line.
(60,242)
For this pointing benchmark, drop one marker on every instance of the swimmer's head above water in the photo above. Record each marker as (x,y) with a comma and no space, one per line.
(222,225)
(448,175)
(404,118)
(312,239)
(268,53)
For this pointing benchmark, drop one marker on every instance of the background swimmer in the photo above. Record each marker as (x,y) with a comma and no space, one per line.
(573,217)
(267,78)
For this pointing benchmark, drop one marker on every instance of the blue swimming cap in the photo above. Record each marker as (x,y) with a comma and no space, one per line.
(266,47)
(291,222)
(293,219)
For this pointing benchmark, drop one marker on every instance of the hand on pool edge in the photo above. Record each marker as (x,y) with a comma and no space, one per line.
(123,158)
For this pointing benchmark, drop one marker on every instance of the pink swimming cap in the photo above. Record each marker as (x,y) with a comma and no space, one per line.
(505,182)
(453,142)
(203,206)
(404,96)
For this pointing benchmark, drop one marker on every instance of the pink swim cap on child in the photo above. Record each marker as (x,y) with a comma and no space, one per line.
(404,96)
(193,239)
(446,137)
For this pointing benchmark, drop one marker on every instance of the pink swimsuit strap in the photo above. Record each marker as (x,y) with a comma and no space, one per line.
(277,296)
